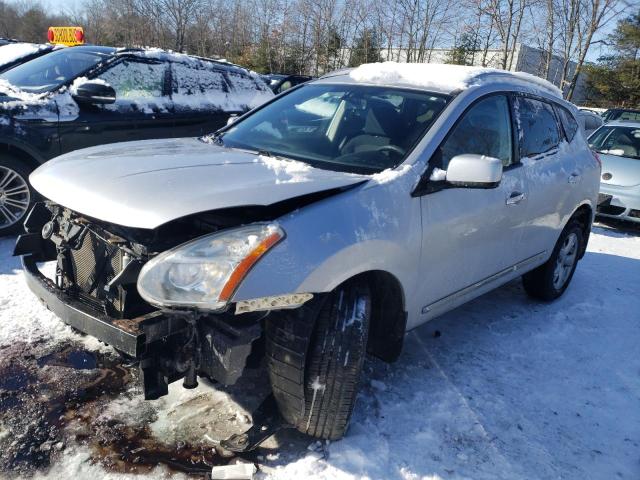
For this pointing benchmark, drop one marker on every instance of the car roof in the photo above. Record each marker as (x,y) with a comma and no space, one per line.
(91,49)
(169,55)
(434,77)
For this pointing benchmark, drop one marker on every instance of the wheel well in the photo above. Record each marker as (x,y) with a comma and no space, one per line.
(584,216)
(388,315)
(12,151)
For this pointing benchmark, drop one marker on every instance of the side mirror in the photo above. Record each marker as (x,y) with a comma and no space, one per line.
(94,93)
(474,171)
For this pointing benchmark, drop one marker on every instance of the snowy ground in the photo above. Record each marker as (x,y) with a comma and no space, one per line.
(502,388)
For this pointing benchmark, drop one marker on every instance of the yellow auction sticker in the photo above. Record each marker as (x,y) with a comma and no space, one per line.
(66,35)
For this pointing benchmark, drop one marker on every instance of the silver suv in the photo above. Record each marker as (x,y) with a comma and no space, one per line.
(322,226)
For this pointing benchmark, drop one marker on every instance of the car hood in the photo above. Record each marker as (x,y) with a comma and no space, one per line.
(624,171)
(148,183)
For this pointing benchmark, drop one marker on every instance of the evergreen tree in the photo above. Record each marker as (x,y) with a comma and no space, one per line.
(615,79)
(366,48)
(462,53)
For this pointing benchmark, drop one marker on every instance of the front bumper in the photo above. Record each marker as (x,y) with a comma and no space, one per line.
(168,345)
(618,202)
(130,336)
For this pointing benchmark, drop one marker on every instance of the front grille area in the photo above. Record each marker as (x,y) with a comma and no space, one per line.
(611,210)
(93,266)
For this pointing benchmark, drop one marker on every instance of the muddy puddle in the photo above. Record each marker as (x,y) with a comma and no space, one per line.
(53,399)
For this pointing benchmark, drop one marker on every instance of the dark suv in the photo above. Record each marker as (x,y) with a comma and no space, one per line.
(83,96)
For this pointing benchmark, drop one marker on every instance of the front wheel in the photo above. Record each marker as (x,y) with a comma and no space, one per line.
(315,370)
(16,195)
(550,280)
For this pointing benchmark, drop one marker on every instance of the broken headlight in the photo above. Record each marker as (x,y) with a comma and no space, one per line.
(205,272)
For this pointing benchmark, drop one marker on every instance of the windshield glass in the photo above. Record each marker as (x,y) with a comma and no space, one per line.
(340,127)
(619,141)
(48,72)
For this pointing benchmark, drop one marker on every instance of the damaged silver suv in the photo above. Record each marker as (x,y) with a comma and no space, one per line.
(322,225)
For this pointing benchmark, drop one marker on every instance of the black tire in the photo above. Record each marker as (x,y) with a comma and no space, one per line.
(542,283)
(10,164)
(315,356)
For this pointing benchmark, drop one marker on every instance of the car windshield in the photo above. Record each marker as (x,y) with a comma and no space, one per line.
(619,141)
(355,128)
(48,72)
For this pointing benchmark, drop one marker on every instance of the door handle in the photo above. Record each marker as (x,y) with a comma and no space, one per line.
(515,198)
(573,178)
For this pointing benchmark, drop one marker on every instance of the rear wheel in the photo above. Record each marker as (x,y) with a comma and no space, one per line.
(550,280)
(16,195)
(315,359)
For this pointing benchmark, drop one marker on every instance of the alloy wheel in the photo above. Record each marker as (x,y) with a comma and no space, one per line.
(566,260)
(14,197)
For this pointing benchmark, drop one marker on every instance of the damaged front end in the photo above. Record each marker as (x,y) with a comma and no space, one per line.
(96,290)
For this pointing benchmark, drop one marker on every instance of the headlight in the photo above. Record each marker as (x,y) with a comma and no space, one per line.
(205,272)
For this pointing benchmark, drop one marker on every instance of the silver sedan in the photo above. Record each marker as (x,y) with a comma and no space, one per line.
(618,145)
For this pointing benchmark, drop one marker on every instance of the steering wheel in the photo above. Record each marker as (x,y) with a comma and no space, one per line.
(392,148)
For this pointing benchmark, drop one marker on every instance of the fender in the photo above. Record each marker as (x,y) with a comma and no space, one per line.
(10,144)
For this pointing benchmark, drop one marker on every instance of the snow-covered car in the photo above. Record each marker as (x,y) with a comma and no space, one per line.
(322,225)
(16,53)
(82,96)
(618,144)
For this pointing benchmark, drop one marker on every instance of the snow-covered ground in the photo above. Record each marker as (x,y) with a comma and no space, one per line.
(501,388)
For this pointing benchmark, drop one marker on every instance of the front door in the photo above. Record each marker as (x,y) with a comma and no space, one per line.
(141,110)
(472,236)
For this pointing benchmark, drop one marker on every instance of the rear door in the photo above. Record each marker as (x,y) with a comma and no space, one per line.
(472,236)
(550,171)
(141,110)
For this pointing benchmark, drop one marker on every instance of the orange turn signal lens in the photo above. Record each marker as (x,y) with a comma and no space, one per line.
(247,263)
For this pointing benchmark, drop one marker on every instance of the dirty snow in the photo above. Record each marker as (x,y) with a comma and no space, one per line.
(440,77)
(501,388)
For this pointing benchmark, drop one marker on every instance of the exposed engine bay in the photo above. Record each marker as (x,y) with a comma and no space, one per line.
(97,267)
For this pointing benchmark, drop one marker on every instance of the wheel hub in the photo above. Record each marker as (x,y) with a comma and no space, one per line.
(567,257)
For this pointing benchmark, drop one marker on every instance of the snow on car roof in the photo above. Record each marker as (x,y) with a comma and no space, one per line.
(14,51)
(442,78)
(160,54)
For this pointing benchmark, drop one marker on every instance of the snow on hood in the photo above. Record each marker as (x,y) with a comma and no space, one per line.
(14,51)
(439,77)
(145,184)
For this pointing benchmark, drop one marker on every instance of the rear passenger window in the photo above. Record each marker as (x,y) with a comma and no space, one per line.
(568,123)
(538,126)
(196,79)
(485,129)
(199,86)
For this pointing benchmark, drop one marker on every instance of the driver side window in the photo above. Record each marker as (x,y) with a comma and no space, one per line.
(485,129)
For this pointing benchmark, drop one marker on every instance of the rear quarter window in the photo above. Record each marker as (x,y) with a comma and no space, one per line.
(568,122)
